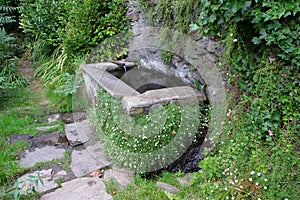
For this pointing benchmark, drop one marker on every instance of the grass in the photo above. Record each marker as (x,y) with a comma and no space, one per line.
(21,113)
(146,189)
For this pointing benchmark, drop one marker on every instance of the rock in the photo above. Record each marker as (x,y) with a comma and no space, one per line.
(214,47)
(84,163)
(186,180)
(95,78)
(121,177)
(45,139)
(95,150)
(53,118)
(73,117)
(44,154)
(45,128)
(80,189)
(44,175)
(167,187)
(72,135)
(142,103)
(20,137)
(79,132)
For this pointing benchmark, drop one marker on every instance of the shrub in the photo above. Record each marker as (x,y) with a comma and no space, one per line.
(256,155)
(9,74)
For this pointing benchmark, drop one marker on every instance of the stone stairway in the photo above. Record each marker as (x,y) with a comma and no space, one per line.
(90,168)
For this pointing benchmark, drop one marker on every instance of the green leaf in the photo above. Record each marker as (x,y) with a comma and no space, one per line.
(235,5)
(194,27)
(256,40)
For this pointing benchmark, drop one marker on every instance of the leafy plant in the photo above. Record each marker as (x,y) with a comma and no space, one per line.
(145,134)
(24,187)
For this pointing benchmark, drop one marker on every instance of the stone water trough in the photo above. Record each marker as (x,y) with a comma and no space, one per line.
(129,81)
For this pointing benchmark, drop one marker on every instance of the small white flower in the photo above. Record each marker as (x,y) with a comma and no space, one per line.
(225,188)
(256,184)
(258,174)
(241,187)
(265,187)
(231,34)
(259,199)
(250,179)
(252,172)
(265,180)
(235,40)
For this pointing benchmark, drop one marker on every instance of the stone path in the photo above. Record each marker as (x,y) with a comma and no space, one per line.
(89,165)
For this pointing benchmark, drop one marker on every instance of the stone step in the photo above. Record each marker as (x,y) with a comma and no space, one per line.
(80,189)
(44,154)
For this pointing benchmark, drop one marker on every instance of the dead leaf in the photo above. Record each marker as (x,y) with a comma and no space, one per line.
(97,172)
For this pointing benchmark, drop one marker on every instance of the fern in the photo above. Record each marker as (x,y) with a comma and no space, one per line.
(6,14)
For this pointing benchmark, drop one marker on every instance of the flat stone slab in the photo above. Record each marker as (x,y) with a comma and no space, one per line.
(167,187)
(44,154)
(121,177)
(78,132)
(107,81)
(142,103)
(47,176)
(45,128)
(97,153)
(80,189)
(83,162)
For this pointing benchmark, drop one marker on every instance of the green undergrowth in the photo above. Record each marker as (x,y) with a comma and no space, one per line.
(142,188)
(19,114)
(256,155)
(61,35)
(127,140)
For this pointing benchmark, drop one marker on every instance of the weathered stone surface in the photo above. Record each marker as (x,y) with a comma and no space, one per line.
(46,153)
(45,128)
(214,47)
(167,187)
(78,132)
(73,117)
(80,189)
(95,150)
(95,78)
(133,104)
(83,162)
(20,137)
(54,118)
(47,176)
(45,139)
(186,180)
(102,66)
(121,177)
